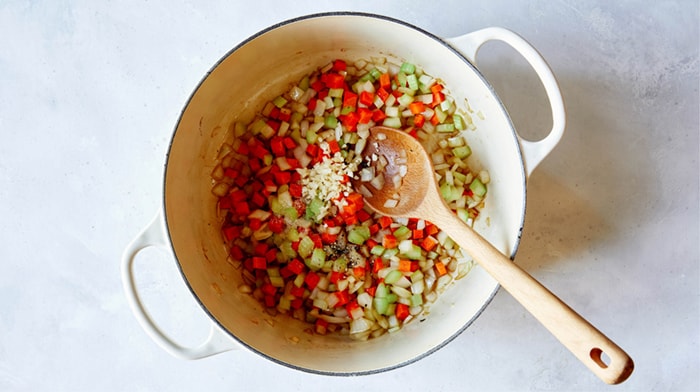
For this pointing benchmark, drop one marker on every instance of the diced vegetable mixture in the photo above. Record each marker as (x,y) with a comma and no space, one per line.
(297,229)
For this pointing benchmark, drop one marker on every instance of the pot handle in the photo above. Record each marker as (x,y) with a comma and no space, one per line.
(217,341)
(533,151)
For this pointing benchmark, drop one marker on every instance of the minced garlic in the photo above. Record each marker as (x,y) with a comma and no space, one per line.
(328,180)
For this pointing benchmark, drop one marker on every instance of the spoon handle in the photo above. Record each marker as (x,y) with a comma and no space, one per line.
(601,355)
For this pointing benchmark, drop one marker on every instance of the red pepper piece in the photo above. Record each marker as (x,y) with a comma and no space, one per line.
(311,280)
(366,98)
(402,311)
(296,266)
(259,262)
(339,65)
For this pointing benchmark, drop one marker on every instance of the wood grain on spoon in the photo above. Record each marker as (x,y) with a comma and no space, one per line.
(419,197)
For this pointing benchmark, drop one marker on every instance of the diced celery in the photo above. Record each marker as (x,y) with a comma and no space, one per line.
(311,137)
(381,305)
(340,264)
(239,129)
(293,234)
(389,253)
(313,209)
(280,101)
(306,247)
(335,92)
(381,291)
(446,127)
(416,300)
(463,214)
(412,82)
(277,281)
(284,303)
(377,250)
(414,253)
(359,235)
(317,259)
(299,280)
(477,187)
(287,250)
(392,122)
(402,232)
(441,115)
(459,122)
(392,277)
(330,121)
(375,73)
(408,68)
(462,152)
(405,100)
(304,83)
(290,213)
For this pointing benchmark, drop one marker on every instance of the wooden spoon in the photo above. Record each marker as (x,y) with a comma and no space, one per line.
(420,198)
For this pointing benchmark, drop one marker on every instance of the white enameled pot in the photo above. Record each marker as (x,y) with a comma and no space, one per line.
(259,69)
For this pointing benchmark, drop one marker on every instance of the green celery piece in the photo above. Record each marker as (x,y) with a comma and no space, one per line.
(306,247)
(459,122)
(287,250)
(313,209)
(280,101)
(317,259)
(477,187)
(358,235)
(375,74)
(402,232)
(382,291)
(462,152)
(381,305)
(393,277)
(290,213)
(304,83)
(463,214)
(377,250)
(340,264)
(412,82)
(414,253)
(408,68)
(389,253)
(392,122)
(416,300)
(445,128)
(330,121)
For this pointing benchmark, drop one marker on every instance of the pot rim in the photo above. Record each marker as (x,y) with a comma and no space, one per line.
(437,40)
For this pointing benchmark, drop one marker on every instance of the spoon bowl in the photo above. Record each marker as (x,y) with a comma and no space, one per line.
(417,195)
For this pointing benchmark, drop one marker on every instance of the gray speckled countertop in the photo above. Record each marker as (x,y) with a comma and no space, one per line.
(90,92)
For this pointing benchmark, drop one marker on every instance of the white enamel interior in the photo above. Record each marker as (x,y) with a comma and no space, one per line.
(262,68)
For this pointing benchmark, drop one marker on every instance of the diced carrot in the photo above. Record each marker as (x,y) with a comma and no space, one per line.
(429,243)
(416,107)
(405,265)
(389,241)
(440,268)
(385,81)
(385,221)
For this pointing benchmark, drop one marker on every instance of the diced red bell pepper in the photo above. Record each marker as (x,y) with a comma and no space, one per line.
(343,297)
(295,190)
(333,146)
(296,266)
(339,65)
(283,177)
(383,94)
(402,311)
(270,301)
(349,99)
(364,115)
(335,276)
(378,115)
(277,146)
(333,80)
(259,262)
(232,232)
(311,279)
(385,221)
(236,252)
(297,291)
(366,98)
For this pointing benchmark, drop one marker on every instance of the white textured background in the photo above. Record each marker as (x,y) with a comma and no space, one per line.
(89,95)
